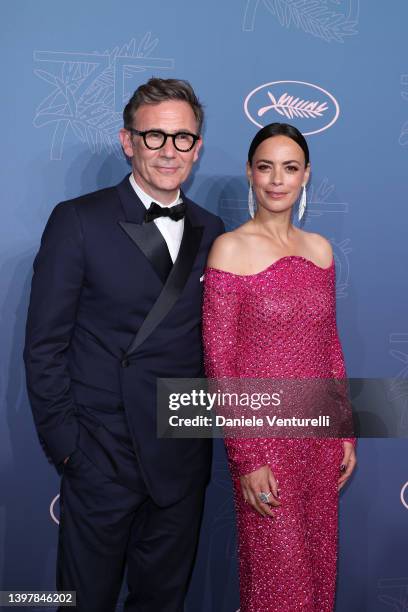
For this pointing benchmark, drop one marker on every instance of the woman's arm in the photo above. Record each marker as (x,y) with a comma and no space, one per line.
(223,296)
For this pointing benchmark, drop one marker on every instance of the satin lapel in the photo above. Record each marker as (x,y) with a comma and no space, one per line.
(174,285)
(145,236)
(152,244)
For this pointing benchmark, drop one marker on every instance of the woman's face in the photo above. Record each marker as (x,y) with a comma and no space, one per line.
(277,173)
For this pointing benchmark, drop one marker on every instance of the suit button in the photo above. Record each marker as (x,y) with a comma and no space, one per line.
(125,363)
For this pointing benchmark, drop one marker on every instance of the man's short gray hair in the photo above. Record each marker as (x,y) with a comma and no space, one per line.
(161,90)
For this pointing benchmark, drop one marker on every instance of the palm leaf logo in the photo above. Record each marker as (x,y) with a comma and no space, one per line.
(315,17)
(290,107)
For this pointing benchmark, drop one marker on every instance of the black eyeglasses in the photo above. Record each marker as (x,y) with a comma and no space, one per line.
(156,139)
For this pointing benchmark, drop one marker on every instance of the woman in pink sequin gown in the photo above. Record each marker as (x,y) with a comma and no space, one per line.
(269,312)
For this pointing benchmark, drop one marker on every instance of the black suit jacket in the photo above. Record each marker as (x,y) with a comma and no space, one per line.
(104,323)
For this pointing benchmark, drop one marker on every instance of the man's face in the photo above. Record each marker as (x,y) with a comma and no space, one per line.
(161,172)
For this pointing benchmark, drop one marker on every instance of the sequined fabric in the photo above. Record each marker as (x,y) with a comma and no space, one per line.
(281,322)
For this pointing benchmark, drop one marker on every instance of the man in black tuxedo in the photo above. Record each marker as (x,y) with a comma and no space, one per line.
(115,304)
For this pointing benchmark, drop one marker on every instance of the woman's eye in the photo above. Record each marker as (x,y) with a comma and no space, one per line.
(292,168)
(263,167)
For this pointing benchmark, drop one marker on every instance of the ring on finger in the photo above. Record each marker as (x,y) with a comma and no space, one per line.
(264,497)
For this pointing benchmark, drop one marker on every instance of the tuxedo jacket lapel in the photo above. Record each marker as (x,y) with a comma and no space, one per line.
(152,244)
(174,285)
(146,236)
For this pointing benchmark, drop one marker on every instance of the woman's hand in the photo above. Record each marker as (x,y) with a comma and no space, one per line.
(348,464)
(261,481)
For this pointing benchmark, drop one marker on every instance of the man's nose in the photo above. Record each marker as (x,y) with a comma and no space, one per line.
(168,149)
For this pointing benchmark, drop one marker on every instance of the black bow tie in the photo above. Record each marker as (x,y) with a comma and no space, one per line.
(155,211)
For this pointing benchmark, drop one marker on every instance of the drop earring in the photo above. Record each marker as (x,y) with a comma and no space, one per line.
(302,204)
(251,201)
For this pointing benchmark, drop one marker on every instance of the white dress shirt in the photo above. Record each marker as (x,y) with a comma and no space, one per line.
(172,231)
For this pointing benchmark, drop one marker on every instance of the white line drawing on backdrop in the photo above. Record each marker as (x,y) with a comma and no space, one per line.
(398,598)
(89,91)
(341,251)
(234,212)
(398,390)
(292,106)
(317,201)
(402,495)
(316,17)
(403,138)
(52,509)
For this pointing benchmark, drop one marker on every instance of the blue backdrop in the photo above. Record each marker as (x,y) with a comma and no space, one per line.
(338,69)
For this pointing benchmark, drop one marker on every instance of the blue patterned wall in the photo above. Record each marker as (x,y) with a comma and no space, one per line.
(338,69)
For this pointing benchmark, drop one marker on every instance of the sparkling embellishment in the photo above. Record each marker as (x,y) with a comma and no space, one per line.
(281,323)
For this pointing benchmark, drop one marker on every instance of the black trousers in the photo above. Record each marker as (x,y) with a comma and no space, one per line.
(106,528)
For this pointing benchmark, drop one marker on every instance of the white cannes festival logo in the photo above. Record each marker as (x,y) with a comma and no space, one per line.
(309,107)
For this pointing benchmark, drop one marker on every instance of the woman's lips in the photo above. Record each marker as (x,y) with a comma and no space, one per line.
(276,195)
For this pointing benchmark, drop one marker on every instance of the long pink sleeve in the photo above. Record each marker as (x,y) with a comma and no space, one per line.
(223,294)
(337,357)
(221,308)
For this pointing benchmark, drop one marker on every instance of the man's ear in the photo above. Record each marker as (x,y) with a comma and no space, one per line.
(197,148)
(126,142)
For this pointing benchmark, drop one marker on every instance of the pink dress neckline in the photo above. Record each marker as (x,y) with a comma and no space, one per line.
(272,265)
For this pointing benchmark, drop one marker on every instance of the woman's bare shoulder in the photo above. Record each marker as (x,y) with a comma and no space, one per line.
(319,247)
(227,252)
